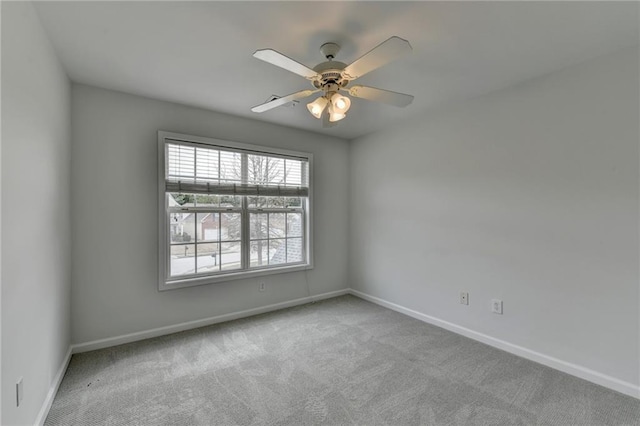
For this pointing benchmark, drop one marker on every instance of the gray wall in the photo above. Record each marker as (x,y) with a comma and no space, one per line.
(529,195)
(115,215)
(35,212)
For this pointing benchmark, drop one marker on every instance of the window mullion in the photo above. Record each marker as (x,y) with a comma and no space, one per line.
(305,231)
(195,241)
(244,237)
(167,236)
(195,215)
(219,243)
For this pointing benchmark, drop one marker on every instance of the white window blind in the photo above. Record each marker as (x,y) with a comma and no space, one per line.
(209,169)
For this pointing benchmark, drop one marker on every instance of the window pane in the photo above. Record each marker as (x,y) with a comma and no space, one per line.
(277,202)
(179,199)
(259,253)
(277,252)
(274,202)
(294,172)
(294,250)
(256,168)
(182,227)
(207,164)
(264,170)
(180,162)
(294,224)
(230,228)
(275,171)
(230,167)
(207,200)
(208,257)
(230,201)
(258,202)
(230,256)
(258,225)
(183,259)
(293,202)
(208,225)
(277,225)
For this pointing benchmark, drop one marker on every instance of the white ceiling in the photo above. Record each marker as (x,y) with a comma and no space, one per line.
(200,53)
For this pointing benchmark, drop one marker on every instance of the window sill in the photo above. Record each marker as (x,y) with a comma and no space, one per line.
(191,282)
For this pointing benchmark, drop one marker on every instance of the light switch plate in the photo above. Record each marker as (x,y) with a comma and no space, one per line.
(496,306)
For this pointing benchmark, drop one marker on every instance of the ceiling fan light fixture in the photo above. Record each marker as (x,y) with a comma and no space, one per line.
(340,104)
(335,116)
(316,107)
(332,77)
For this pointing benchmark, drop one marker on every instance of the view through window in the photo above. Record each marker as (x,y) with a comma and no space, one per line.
(228,209)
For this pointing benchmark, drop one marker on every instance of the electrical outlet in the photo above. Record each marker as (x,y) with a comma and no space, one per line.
(464,298)
(496,306)
(262,287)
(19,392)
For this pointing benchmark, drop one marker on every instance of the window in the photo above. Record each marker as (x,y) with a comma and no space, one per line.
(231,210)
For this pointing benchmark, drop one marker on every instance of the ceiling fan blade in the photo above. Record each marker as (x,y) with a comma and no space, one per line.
(283,100)
(279,60)
(385,52)
(379,95)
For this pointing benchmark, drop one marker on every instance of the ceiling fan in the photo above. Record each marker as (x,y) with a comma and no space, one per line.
(332,78)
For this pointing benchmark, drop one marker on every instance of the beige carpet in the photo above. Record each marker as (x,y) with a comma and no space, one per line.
(342,361)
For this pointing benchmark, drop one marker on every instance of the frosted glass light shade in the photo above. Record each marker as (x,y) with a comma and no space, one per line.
(316,107)
(336,116)
(340,104)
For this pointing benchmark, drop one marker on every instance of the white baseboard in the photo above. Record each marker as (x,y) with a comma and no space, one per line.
(161,331)
(46,406)
(558,364)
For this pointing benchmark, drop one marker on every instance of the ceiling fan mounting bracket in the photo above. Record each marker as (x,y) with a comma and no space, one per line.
(329,50)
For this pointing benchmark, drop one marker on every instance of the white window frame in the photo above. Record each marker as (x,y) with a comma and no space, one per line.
(165,283)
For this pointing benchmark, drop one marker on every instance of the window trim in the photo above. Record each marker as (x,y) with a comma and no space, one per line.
(164,281)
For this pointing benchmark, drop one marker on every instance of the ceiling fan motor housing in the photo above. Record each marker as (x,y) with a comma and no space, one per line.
(330,72)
